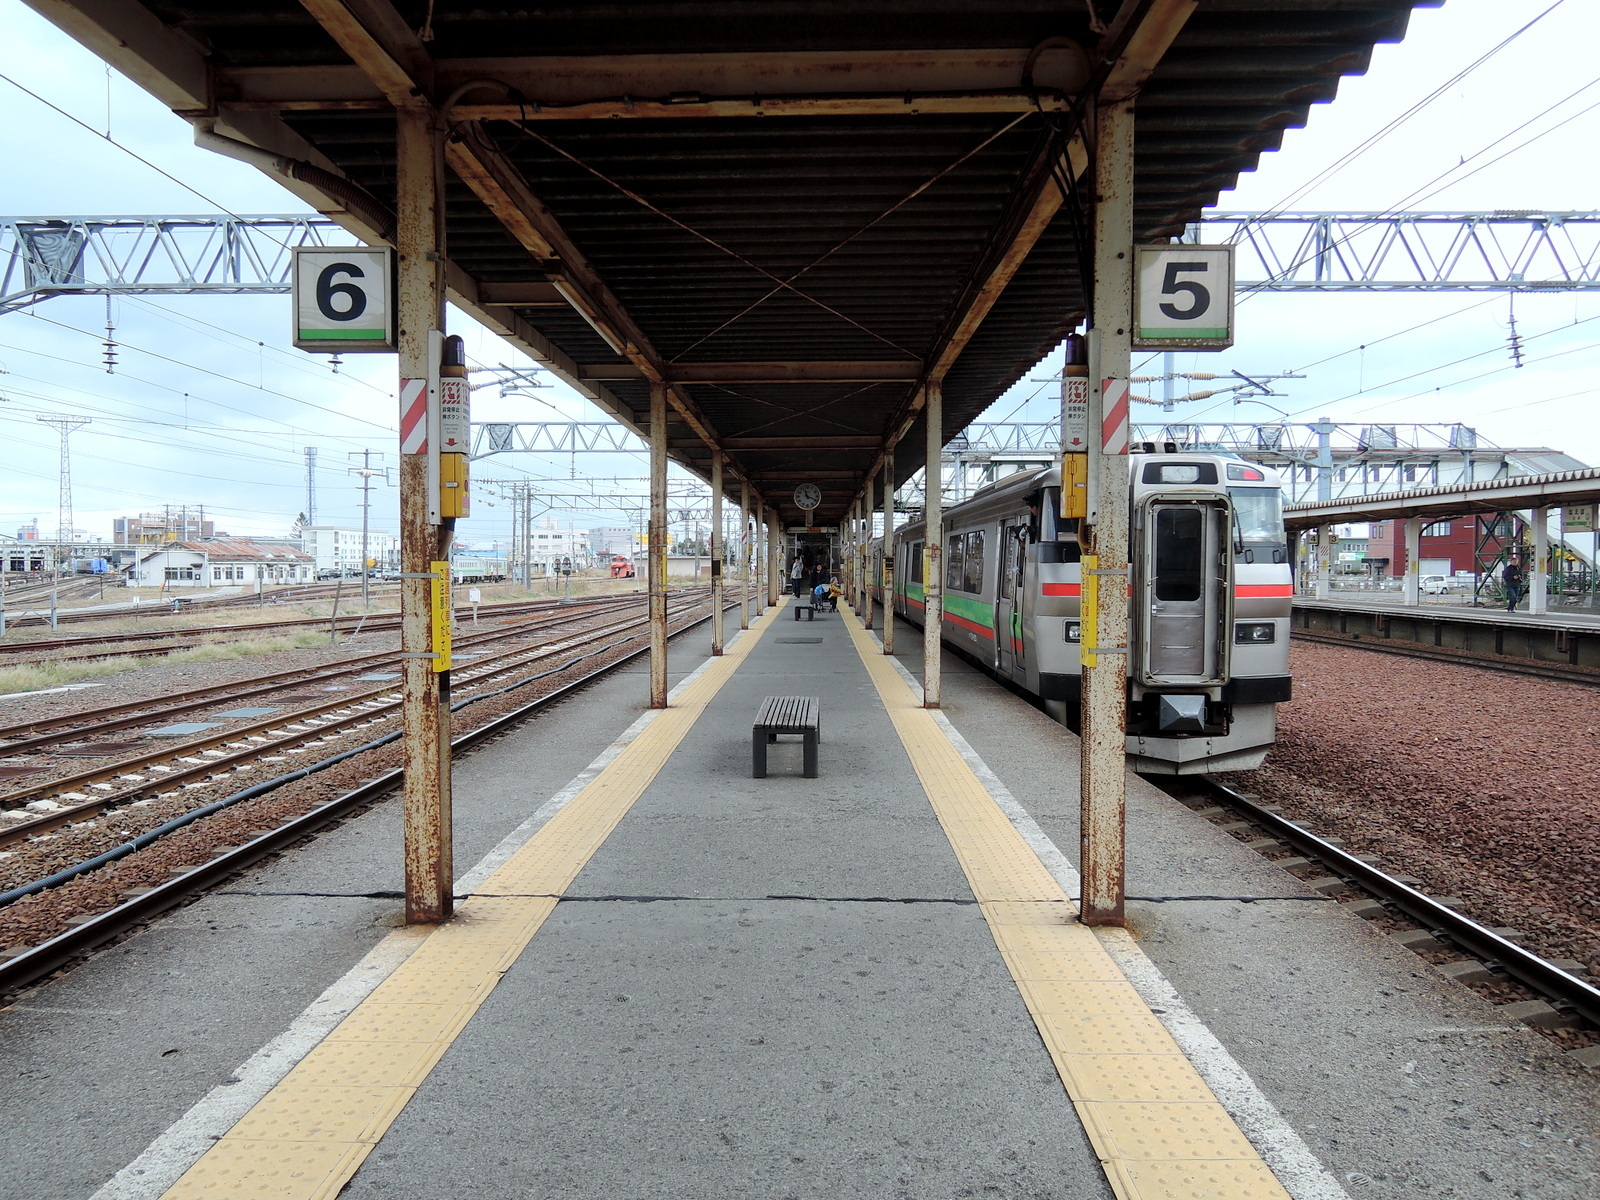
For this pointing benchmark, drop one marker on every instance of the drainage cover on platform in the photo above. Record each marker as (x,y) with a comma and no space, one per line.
(797,641)
(234,713)
(98,749)
(182,729)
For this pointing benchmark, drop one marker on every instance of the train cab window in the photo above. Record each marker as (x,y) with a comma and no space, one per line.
(955,562)
(1258,525)
(1179,553)
(1057,535)
(973,579)
(1179,473)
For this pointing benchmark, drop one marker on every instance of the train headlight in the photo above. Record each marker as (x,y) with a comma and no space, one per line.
(1074,631)
(1254,633)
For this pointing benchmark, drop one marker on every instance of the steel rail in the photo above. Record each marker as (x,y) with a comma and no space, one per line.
(26,736)
(50,955)
(380,621)
(373,707)
(1517,962)
(1560,672)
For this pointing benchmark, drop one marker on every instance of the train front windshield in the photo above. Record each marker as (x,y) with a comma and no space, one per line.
(1258,522)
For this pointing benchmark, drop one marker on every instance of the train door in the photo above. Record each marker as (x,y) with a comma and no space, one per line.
(1184,592)
(1010,644)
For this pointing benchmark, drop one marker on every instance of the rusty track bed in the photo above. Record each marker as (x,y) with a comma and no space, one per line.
(39,961)
(1559,672)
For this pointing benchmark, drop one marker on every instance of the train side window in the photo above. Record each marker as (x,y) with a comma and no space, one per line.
(974,573)
(1180,545)
(913,567)
(955,558)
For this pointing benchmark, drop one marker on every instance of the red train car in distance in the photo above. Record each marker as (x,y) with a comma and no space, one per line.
(621,568)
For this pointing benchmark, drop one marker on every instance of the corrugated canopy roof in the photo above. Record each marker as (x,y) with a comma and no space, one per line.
(796,210)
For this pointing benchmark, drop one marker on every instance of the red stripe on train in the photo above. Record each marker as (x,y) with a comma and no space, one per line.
(1257,590)
(1063,589)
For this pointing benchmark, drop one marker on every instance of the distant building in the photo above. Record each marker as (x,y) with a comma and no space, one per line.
(615,539)
(1445,547)
(174,525)
(28,532)
(338,547)
(220,562)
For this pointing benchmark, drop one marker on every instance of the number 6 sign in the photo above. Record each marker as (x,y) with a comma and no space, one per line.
(1183,297)
(344,298)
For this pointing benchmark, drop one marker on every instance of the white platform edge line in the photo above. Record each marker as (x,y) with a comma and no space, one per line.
(1284,1151)
(177,1149)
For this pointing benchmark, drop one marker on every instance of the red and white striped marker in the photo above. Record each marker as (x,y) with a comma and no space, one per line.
(413,416)
(1114,422)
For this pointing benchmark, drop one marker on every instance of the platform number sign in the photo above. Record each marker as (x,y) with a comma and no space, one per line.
(344,299)
(1183,297)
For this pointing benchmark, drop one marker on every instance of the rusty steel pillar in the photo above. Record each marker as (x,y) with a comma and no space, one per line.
(774,555)
(932,543)
(866,551)
(1103,648)
(744,554)
(716,553)
(888,553)
(425,691)
(657,570)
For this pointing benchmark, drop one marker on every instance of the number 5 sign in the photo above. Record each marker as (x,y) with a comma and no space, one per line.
(1183,297)
(344,298)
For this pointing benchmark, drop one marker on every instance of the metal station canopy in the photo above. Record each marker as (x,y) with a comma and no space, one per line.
(1453,500)
(797,212)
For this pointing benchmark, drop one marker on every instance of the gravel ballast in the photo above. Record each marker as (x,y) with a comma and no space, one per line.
(1482,785)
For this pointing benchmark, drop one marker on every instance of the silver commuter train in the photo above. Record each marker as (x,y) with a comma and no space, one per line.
(1212,589)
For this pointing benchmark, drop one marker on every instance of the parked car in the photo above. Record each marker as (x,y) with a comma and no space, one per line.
(1438,585)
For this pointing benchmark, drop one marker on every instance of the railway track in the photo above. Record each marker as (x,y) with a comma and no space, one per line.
(1561,672)
(21,966)
(1565,1002)
(113,645)
(136,771)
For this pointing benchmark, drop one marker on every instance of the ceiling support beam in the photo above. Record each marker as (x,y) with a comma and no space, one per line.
(384,47)
(675,86)
(907,371)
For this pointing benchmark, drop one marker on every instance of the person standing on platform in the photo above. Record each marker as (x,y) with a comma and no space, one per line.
(1514,581)
(797,577)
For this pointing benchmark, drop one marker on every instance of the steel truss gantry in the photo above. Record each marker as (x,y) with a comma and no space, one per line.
(42,257)
(1281,252)
(1502,251)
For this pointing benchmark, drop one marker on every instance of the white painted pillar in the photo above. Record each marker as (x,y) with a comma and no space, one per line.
(1539,584)
(744,554)
(1413,575)
(888,553)
(1324,560)
(933,544)
(716,553)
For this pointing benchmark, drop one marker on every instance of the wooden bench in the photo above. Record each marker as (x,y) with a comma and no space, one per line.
(786,714)
(810,611)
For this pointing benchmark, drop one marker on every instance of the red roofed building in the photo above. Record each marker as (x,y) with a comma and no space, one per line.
(221,562)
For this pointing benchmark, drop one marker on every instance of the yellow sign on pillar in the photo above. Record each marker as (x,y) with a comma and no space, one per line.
(442,615)
(1089,611)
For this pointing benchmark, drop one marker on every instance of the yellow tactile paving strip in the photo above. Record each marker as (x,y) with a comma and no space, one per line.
(1159,1131)
(310,1134)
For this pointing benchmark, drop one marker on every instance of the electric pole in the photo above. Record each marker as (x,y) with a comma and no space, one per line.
(366,471)
(311,485)
(64,426)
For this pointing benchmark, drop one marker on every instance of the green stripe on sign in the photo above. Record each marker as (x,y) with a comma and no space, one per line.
(343,335)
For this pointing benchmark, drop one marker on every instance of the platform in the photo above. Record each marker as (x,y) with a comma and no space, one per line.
(863,985)
(1561,636)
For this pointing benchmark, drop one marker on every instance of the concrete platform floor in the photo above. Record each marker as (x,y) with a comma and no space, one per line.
(782,989)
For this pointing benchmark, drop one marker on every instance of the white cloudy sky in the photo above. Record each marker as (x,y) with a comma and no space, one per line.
(210,405)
